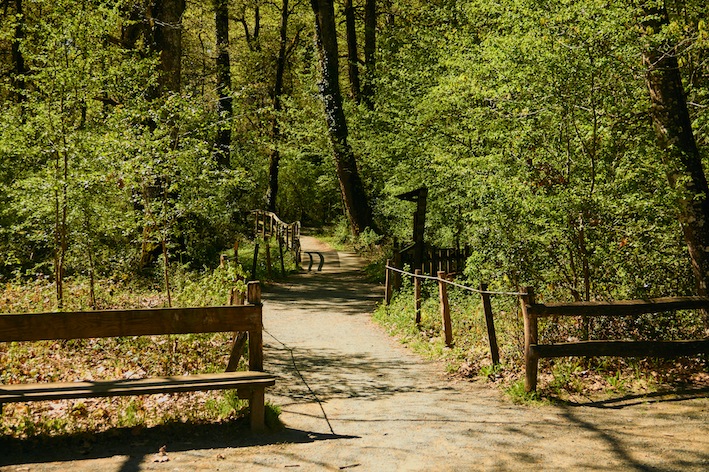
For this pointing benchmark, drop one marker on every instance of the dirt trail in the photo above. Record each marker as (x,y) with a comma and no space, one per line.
(354,399)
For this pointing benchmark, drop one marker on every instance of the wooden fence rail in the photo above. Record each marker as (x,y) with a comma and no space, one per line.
(443,283)
(533,351)
(433,259)
(268,225)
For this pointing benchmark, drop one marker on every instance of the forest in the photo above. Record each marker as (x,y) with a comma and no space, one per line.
(563,142)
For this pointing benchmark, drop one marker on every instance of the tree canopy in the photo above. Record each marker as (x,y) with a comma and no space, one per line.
(532,123)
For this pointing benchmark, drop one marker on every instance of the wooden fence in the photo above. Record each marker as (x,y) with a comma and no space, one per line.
(434,259)
(268,225)
(532,311)
(443,283)
(533,351)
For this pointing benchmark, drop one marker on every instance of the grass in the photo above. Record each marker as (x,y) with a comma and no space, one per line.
(563,379)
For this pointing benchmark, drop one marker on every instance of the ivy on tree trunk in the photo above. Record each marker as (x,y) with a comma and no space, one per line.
(370,47)
(222,152)
(275,155)
(352,55)
(167,38)
(673,128)
(354,198)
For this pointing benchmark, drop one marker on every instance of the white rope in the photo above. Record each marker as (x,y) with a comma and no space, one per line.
(438,279)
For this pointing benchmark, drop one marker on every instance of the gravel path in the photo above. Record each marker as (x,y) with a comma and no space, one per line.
(354,399)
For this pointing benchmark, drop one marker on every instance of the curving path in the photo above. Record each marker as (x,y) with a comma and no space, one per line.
(354,399)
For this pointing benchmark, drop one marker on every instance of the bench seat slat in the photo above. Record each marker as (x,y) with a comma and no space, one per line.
(65,390)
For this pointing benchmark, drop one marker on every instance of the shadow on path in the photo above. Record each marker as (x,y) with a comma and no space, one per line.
(137,448)
(664,396)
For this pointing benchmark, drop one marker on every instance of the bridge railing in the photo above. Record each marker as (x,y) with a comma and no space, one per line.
(268,225)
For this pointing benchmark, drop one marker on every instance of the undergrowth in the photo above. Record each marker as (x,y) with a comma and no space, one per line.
(562,379)
(116,358)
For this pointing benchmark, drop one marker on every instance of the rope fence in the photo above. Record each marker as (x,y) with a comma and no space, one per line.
(450,282)
(443,284)
(532,310)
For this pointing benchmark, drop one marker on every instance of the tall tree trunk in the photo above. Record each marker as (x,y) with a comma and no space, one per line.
(673,128)
(370,48)
(352,55)
(354,198)
(275,155)
(167,37)
(18,61)
(222,152)
(252,39)
(136,26)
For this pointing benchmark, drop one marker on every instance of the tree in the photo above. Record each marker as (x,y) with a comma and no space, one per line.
(224,104)
(673,128)
(19,70)
(370,49)
(354,199)
(352,55)
(166,19)
(275,154)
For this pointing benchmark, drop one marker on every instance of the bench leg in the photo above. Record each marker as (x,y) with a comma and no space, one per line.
(257,403)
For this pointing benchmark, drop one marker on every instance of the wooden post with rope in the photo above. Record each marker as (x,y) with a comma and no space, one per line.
(445,309)
(417,295)
(491,335)
(531,337)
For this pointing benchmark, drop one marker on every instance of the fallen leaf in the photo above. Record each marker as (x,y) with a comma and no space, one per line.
(161,456)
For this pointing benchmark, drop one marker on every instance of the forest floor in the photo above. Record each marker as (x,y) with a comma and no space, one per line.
(353,398)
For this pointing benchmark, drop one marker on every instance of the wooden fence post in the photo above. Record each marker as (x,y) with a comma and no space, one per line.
(387,283)
(236,252)
(280,250)
(531,337)
(239,337)
(253,296)
(236,297)
(253,266)
(491,335)
(395,276)
(417,295)
(269,268)
(445,308)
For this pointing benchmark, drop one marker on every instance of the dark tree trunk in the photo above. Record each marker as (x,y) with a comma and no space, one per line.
(252,39)
(167,38)
(354,198)
(18,61)
(136,25)
(673,128)
(222,153)
(275,155)
(370,48)
(352,55)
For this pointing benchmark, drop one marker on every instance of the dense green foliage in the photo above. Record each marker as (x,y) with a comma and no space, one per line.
(527,120)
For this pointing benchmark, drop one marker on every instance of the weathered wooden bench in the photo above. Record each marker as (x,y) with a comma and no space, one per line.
(239,319)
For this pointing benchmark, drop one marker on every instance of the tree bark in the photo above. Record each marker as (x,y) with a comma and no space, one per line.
(352,55)
(167,37)
(252,39)
(222,152)
(370,48)
(673,128)
(136,25)
(354,198)
(19,70)
(275,155)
